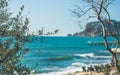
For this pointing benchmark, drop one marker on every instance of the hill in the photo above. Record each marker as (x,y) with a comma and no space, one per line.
(95,29)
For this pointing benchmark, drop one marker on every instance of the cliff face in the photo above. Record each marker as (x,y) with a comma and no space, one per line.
(95,29)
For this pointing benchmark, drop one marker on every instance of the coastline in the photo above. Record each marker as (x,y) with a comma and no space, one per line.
(85,73)
(104,71)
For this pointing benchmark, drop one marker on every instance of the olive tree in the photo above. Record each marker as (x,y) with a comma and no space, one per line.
(13,37)
(98,9)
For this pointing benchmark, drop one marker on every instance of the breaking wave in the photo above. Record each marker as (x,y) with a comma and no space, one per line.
(85,55)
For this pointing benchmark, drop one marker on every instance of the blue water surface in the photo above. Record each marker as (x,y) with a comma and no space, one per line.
(55,53)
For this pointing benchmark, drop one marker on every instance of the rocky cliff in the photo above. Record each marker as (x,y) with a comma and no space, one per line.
(95,29)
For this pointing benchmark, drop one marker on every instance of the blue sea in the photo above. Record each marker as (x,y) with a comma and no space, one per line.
(57,55)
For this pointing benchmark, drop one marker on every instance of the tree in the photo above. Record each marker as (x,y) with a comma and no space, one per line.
(14,34)
(98,9)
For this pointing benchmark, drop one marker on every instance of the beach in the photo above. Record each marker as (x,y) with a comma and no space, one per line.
(86,73)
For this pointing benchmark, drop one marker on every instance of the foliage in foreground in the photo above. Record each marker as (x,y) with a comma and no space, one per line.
(13,36)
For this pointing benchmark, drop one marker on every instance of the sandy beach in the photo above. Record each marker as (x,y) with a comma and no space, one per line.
(86,73)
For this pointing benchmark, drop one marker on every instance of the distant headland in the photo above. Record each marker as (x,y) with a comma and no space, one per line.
(94,29)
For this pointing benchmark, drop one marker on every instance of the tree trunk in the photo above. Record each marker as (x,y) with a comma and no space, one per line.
(114,58)
(107,45)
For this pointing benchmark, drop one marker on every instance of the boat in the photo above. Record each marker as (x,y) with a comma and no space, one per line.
(99,42)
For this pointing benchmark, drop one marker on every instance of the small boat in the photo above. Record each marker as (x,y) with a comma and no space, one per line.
(99,42)
(96,43)
(89,42)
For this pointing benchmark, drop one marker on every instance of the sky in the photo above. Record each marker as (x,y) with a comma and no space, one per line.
(54,14)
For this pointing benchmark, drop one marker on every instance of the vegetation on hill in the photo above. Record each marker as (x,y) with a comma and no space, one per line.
(95,29)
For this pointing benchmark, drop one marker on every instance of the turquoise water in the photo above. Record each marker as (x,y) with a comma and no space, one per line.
(57,55)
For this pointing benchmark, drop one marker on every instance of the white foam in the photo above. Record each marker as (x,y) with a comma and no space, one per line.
(79,64)
(108,57)
(76,66)
(85,55)
(51,68)
(63,71)
(92,55)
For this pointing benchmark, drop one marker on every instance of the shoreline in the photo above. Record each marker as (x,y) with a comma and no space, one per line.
(85,73)
(108,70)
(99,69)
